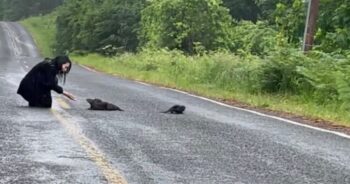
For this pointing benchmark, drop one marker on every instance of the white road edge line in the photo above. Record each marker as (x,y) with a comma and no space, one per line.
(87,68)
(262,114)
(246,110)
(143,83)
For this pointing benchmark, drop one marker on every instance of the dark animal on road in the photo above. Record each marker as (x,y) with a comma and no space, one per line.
(98,104)
(176,109)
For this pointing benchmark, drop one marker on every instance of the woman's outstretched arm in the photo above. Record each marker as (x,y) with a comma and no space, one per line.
(68,95)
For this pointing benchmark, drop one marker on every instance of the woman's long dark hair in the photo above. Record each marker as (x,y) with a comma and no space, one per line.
(57,62)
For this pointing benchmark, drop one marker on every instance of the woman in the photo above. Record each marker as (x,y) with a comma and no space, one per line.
(36,86)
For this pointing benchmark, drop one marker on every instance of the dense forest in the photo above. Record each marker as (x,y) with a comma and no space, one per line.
(255,26)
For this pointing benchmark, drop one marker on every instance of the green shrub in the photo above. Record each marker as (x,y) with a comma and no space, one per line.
(185,24)
(279,71)
(258,39)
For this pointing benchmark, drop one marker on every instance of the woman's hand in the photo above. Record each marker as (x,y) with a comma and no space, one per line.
(68,95)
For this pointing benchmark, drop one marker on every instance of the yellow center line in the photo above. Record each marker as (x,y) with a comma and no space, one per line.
(62,103)
(111,174)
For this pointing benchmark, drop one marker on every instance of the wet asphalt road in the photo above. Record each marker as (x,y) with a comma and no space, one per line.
(210,143)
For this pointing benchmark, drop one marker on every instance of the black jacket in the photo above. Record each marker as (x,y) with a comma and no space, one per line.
(39,81)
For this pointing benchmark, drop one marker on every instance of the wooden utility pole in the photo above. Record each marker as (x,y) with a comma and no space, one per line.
(310,26)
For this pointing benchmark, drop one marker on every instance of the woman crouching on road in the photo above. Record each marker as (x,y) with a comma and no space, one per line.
(36,86)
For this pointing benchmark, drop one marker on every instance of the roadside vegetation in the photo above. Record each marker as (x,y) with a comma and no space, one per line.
(238,50)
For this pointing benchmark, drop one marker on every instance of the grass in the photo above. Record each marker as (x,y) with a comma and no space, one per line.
(43,31)
(128,66)
(219,76)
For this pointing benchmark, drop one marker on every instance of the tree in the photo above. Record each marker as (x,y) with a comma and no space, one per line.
(243,9)
(334,26)
(118,24)
(18,9)
(66,25)
(93,25)
(186,24)
(268,7)
(290,20)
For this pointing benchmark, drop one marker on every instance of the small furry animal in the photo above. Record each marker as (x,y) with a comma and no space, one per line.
(98,104)
(176,109)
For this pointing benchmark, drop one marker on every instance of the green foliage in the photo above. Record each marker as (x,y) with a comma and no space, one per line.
(18,9)
(118,24)
(102,26)
(67,24)
(258,39)
(243,9)
(193,26)
(290,20)
(181,24)
(328,78)
(268,7)
(43,31)
(334,26)
(279,73)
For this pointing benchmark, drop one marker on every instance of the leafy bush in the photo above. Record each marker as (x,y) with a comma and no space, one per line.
(258,39)
(108,27)
(278,72)
(181,24)
(328,78)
